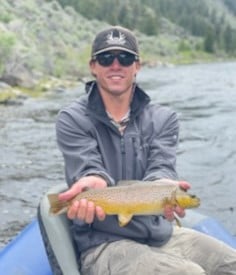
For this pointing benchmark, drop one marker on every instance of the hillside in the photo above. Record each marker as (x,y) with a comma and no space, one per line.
(212,20)
(40,39)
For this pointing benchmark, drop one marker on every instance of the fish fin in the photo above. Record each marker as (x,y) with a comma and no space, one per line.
(124,219)
(56,206)
(177,221)
(174,202)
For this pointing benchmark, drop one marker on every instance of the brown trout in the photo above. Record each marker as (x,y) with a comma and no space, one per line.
(131,198)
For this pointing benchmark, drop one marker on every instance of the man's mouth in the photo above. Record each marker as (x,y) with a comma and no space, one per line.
(115,77)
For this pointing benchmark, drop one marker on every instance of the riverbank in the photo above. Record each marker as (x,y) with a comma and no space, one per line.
(16,94)
(44,46)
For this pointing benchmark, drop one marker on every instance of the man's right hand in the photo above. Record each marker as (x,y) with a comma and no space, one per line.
(84,210)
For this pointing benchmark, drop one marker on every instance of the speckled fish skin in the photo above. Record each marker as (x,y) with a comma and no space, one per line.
(132,198)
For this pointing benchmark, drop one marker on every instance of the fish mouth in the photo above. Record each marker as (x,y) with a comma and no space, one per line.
(196,199)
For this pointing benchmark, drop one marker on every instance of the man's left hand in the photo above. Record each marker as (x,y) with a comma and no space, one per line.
(169,211)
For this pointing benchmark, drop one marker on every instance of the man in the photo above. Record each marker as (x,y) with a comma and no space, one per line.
(113,133)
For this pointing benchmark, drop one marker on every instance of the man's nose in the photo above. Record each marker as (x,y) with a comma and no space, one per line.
(116,63)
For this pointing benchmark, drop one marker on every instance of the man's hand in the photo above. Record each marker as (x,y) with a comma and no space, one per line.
(169,211)
(84,210)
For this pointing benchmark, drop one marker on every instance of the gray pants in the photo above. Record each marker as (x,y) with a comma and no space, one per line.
(187,252)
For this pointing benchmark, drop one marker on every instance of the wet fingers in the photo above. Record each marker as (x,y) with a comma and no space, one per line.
(85,210)
(100,213)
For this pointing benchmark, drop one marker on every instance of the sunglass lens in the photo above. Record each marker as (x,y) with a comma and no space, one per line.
(124,58)
(105,59)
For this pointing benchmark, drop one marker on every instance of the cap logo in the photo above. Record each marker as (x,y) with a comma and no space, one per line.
(116,40)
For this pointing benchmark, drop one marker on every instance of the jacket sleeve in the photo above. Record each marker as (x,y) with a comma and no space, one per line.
(161,162)
(79,148)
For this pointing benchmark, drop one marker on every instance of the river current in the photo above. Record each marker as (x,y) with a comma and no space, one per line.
(203,95)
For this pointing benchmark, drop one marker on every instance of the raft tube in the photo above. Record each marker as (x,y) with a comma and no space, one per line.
(26,255)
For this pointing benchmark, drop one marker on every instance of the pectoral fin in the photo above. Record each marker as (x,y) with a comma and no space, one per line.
(124,219)
(177,221)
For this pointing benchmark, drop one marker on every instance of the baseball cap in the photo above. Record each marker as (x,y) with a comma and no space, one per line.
(115,38)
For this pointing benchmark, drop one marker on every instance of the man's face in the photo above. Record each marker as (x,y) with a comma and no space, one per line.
(113,77)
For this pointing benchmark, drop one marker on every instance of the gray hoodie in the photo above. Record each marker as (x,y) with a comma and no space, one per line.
(92,145)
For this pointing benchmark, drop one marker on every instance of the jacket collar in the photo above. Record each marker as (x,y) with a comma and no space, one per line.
(95,104)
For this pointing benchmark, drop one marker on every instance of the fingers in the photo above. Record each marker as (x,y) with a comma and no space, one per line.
(83,209)
(70,193)
(85,182)
(72,211)
(65,195)
(74,190)
(86,211)
(179,211)
(169,212)
(100,214)
(184,185)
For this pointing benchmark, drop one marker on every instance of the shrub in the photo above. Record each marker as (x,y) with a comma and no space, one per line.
(7,42)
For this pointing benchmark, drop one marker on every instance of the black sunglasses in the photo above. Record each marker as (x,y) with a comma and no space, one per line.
(107,58)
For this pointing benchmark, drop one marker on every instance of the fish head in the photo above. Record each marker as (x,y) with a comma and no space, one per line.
(187,200)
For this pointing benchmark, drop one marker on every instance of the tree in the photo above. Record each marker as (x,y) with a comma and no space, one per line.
(149,22)
(7,42)
(229,40)
(209,41)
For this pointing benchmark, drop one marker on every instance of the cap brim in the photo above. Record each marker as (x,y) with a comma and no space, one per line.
(115,48)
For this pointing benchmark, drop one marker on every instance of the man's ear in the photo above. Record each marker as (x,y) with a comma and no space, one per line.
(138,65)
(92,65)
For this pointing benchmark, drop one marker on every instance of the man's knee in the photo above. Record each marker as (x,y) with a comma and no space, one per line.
(153,263)
(188,268)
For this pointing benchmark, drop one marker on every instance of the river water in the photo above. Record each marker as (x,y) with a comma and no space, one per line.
(204,97)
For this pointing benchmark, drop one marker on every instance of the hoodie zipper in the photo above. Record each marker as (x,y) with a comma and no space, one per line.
(123,157)
(135,157)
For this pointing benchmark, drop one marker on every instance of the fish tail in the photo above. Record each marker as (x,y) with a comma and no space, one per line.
(56,206)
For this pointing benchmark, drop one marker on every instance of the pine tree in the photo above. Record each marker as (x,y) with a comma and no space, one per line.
(209,41)
(229,40)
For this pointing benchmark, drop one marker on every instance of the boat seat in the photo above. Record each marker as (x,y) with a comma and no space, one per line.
(57,238)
